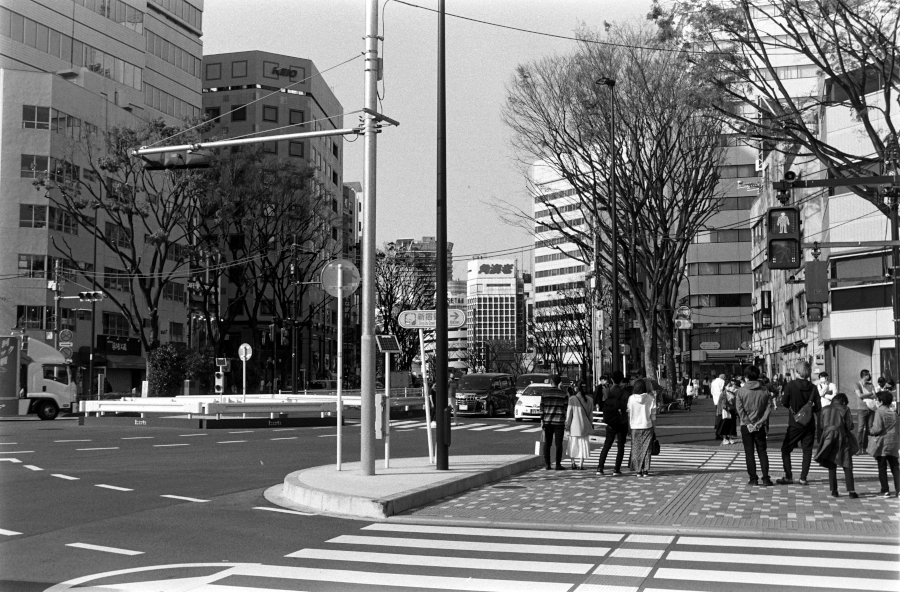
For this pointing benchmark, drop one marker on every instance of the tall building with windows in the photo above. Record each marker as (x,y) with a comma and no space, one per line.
(495,309)
(69,69)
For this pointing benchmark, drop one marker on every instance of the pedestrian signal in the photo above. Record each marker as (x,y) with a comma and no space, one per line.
(783,235)
(816,282)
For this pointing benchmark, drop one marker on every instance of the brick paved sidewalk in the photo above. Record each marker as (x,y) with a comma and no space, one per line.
(676,497)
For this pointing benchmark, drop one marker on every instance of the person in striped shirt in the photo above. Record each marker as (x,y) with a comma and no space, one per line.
(554,407)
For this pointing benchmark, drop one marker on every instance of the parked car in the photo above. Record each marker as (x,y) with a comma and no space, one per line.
(485,394)
(524,380)
(322,384)
(529,404)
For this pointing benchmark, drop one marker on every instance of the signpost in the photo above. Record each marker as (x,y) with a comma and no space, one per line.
(245,352)
(340,278)
(387,344)
(427,319)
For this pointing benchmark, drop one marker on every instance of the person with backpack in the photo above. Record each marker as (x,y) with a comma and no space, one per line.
(801,398)
(615,416)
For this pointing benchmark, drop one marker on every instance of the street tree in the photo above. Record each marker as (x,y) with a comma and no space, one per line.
(770,68)
(667,158)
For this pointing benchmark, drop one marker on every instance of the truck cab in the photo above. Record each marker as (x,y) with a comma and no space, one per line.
(38,382)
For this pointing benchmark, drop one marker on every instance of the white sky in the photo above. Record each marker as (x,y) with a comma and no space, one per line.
(480,61)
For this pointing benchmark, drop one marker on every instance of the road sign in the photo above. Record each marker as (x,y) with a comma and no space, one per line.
(683,324)
(349,277)
(427,319)
(66,335)
(65,344)
(683,312)
(245,352)
(66,352)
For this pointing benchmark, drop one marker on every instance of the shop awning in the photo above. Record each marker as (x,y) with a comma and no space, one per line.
(114,362)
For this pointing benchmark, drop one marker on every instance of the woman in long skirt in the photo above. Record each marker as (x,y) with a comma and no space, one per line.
(727,427)
(579,425)
(641,420)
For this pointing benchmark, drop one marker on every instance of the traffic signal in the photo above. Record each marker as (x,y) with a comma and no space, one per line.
(815,312)
(284,336)
(783,235)
(220,382)
(816,282)
(272,332)
(24,344)
(91,296)
(179,159)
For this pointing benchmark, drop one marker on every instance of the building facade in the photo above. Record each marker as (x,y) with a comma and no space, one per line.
(70,70)
(495,309)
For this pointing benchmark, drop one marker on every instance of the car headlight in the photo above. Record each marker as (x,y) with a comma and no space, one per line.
(519,403)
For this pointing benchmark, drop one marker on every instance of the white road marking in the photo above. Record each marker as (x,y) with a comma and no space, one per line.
(12,460)
(9,444)
(66,477)
(283,511)
(492,547)
(5,532)
(783,544)
(33,468)
(638,553)
(113,487)
(777,579)
(532,430)
(167,445)
(190,435)
(110,448)
(139,438)
(242,432)
(496,532)
(57,441)
(104,549)
(285,438)
(867,564)
(622,571)
(487,427)
(512,429)
(230,441)
(465,563)
(328,436)
(285,429)
(466,426)
(15,452)
(187,499)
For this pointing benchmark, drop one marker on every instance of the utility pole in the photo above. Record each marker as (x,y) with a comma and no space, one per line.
(294,314)
(58,288)
(892,199)
(442,448)
(367,392)
(613,224)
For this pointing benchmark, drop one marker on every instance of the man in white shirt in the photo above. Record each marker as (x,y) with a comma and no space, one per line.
(716,388)
(827,389)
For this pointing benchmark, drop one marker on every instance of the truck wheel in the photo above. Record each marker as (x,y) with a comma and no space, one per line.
(47,410)
(491,412)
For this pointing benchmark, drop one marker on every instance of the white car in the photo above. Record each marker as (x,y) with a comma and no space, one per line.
(529,404)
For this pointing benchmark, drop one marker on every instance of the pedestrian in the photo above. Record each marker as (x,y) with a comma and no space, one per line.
(884,442)
(554,404)
(726,430)
(451,397)
(865,394)
(715,389)
(752,405)
(704,386)
(580,426)
(685,381)
(693,390)
(615,416)
(642,421)
(602,390)
(799,393)
(837,444)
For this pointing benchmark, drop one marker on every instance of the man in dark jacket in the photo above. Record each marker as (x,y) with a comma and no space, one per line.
(752,403)
(615,416)
(554,405)
(798,393)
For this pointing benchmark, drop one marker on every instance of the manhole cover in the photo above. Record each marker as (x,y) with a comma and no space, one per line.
(509,487)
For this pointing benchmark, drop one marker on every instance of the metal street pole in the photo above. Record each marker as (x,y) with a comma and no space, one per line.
(895,250)
(442,448)
(367,371)
(295,315)
(90,387)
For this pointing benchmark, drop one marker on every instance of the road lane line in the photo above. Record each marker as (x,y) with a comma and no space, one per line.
(66,477)
(437,561)
(230,441)
(492,547)
(768,560)
(8,532)
(777,579)
(487,427)
(113,487)
(328,436)
(9,443)
(33,468)
(532,430)
(466,426)
(57,441)
(285,429)
(12,460)
(191,435)
(283,511)
(15,452)
(165,445)
(782,544)
(242,432)
(90,547)
(139,438)
(496,532)
(285,438)
(187,499)
(518,427)
(110,448)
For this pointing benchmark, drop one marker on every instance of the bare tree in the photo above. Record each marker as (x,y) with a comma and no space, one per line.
(666,166)
(400,286)
(848,56)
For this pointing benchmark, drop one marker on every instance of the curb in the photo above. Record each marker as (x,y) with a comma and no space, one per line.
(367,508)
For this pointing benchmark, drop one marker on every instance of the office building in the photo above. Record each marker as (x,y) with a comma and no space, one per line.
(495,309)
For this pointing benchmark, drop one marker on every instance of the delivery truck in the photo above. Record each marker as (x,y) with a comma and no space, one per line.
(34,379)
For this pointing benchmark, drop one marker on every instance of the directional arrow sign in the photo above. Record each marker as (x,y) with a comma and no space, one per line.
(427,319)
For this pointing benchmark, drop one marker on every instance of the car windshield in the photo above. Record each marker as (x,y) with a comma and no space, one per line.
(525,379)
(475,382)
(535,390)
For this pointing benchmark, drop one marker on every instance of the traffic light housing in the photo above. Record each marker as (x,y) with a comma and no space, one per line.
(178,159)
(220,382)
(783,236)
(816,282)
(815,312)
(91,296)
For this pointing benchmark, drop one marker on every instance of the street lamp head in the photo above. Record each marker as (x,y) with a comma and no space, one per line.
(610,82)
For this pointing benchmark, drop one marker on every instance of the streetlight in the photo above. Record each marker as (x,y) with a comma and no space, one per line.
(611,83)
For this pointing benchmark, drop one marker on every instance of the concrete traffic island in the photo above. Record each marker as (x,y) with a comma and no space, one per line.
(409,483)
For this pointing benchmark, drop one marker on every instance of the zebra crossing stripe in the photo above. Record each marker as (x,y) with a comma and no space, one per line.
(532,430)
(487,427)
(783,544)
(804,581)
(349,539)
(494,532)
(467,426)
(439,561)
(512,429)
(770,560)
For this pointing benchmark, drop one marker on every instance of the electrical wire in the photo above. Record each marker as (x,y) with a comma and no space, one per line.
(276,129)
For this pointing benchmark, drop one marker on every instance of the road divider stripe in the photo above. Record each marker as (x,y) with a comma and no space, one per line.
(438,561)
(328,436)
(114,487)
(5,532)
(90,547)
(66,477)
(513,428)
(242,432)
(230,441)
(770,560)
(283,511)
(285,429)
(108,448)
(9,443)
(58,441)
(513,533)
(803,581)
(11,460)
(191,435)
(492,547)
(15,452)
(33,468)
(187,499)
(139,438)
(787,544)
(285,438)
(168,445)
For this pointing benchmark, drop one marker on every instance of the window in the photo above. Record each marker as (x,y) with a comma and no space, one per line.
(118,236)
(334,149)
(295,149)
(334,177)
(737,171)
(115,324)
(30,317)
(62,221)
(173,291)
(176,332)
(295,117)
(32,266)
(239,113)
(33,166)
(116,279)
(239,69)
(35,117)
(32,216)
(213,113)
(270,113)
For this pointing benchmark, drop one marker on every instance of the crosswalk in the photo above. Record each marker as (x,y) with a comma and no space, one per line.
(392,556)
